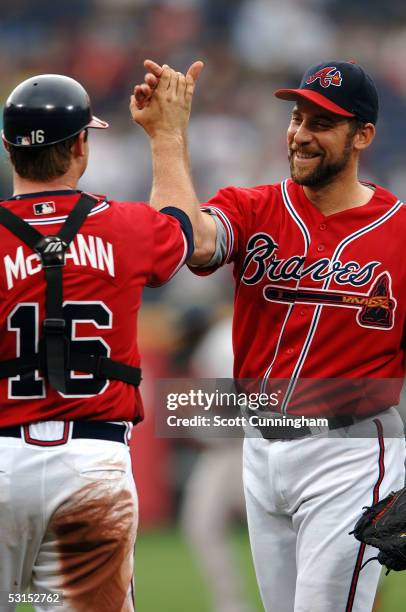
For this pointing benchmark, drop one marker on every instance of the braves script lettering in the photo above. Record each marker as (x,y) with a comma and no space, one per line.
(261,260)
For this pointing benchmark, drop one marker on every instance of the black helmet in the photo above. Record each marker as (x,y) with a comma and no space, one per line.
(46,109)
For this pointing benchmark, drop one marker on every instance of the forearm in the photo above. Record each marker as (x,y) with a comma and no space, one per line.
(172,185)
(171,181)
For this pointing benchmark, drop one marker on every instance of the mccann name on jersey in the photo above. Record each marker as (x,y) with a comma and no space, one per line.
(88,250)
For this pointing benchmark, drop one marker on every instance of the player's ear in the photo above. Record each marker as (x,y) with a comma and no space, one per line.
(364,136)
(5,144)
(79,147)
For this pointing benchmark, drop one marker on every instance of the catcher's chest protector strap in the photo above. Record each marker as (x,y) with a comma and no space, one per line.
(54,356)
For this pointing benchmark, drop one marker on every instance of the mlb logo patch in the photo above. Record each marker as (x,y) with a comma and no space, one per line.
(24,140)
(44,208)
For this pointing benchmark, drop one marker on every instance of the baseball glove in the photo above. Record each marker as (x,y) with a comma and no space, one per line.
(383,525)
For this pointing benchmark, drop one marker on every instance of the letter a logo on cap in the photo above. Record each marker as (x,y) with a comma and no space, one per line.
(327,76)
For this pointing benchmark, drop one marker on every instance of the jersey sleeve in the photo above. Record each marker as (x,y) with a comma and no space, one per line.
(172,244)
(229,210)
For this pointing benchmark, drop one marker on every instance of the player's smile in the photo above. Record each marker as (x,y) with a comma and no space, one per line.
(302,158)
(304,164)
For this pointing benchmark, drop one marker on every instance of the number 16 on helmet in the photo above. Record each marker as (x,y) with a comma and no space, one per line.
(47,109)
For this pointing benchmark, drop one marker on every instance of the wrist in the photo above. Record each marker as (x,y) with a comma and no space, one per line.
(162,137)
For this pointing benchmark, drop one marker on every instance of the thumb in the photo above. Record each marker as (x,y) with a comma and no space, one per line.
(195,70)
(135,110)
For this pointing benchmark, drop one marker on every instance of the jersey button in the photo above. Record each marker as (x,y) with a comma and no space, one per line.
(289,351)
(302,313)
(321,248)
(322,226)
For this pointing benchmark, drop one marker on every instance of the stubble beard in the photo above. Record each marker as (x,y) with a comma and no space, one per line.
(324,173)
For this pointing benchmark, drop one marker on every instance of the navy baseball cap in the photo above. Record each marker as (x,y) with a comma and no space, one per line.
(343,88)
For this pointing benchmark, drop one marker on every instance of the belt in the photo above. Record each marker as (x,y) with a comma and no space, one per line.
(96,430)
(289,432)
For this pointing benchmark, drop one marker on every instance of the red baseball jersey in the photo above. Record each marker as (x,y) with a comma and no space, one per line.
(120,248)
(317,296)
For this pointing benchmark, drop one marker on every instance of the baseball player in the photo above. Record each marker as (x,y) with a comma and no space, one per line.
(72,269)
(216,472)
(320,276)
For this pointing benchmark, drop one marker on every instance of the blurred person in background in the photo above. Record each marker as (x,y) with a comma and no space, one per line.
(213,497)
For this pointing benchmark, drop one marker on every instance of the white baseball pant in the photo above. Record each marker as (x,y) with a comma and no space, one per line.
(68,520)
(303,498)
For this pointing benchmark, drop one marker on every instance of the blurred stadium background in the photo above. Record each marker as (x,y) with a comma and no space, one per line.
(237,135)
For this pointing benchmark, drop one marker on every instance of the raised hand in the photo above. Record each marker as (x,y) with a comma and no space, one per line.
(144,92)
(162,104)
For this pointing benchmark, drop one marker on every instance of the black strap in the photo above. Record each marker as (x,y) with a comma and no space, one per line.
(19,227)
(76,217)
(101,367)
(20,365)
(104,367)
(56,343)
(68,231)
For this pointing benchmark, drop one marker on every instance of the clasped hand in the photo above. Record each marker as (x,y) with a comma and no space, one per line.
(162,104)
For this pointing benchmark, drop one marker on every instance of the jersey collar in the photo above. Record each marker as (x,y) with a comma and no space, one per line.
(40,194)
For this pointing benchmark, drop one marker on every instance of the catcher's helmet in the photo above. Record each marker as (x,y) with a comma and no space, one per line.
(47,109)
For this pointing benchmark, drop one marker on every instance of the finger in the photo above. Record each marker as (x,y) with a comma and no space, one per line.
(139,97)
(190,87)
(134,108)
(165,80)
(181,85)
(140,103)
(153,67)
(173,86)
(192,76)
(195,70)
(143,92)
(138,93)
(173,79)
(179,76)
(146,90)
(151,80)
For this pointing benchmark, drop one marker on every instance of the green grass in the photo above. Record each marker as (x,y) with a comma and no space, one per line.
(167,578)
(393,592)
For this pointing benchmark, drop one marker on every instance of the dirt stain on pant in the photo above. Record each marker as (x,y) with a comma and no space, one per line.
(95,535)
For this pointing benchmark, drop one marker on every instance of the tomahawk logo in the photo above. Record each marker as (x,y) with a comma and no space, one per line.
(327,76)
(374,309)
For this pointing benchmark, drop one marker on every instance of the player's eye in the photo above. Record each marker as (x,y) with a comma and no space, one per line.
(321,123)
